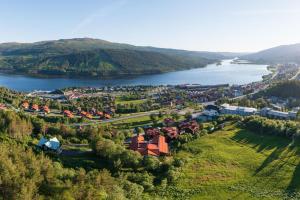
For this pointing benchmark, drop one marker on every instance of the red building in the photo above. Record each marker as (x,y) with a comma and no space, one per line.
(46,109)
(151,132)
(2,106)
(155,147)
(35,107)
(68,114)
(189,127)
(25,105)
(171,132)
(169,122)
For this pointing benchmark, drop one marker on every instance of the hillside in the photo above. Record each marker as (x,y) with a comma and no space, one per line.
(238,164)
(286,89)
(98,58)
(280,54)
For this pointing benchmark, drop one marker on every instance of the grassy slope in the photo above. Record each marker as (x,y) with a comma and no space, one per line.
(236,164)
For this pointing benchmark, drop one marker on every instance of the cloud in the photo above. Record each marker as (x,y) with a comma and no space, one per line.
(100,13)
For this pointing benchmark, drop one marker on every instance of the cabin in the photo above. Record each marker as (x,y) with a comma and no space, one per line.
(157,146)
(51,145)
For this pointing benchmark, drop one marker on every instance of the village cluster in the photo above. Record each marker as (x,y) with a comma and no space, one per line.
(155,141)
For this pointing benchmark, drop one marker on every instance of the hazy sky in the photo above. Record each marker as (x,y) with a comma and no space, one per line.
(214,25)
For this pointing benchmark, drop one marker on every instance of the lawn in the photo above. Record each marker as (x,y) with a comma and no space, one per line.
(237,164)
(138,101)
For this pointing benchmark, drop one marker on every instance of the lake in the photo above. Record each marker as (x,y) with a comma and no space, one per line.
(210,75)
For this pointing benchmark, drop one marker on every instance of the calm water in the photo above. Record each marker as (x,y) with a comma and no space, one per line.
(210,75)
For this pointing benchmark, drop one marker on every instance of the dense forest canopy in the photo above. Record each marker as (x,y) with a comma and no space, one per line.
(285,89)
(98,58)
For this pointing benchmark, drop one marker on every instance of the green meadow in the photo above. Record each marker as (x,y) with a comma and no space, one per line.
(237,164)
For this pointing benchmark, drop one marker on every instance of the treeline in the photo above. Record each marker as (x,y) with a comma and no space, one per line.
(265,126)
(25,175)
(138,107)
(246,102)
(10,97)
(286,89)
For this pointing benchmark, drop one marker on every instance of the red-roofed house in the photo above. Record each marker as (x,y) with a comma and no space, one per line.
(100,114)
(189,127)
(2,106)
(35,107)
(68,114)
(151,132)
(169,122)
(46,109)
(155,147)
(171,132)
(25,105)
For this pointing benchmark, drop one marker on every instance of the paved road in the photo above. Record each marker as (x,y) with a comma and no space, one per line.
(113,120)
(296,75)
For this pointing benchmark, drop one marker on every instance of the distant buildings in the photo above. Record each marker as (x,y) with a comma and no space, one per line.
(265,112)
(268,112)
(237,110)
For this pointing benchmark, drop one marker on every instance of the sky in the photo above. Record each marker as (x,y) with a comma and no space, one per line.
(210,25)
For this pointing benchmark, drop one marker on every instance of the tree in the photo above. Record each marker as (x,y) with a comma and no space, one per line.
(175,116)
(153,118)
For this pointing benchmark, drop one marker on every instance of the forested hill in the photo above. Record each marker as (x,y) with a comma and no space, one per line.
(280,54)
(98,58)
(286,89)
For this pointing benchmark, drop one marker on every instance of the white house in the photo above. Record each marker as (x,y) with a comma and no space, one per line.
(50,145)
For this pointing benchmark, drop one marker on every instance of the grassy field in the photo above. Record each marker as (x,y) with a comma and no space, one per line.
(138,101)
(237,164)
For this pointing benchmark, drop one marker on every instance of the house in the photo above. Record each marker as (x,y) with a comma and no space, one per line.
(100,114)
(237,110)
(46,109)
(157,146)
(169,122)
(206,115)
(189,127)
(35,107)
(268,112)
(107,116)
(52,145)
(171,132)
(2,106)
(68,114)
(25,105)
(86,115)
(152,132)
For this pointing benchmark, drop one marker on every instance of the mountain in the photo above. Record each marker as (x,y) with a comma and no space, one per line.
(98,58)
(280,54)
